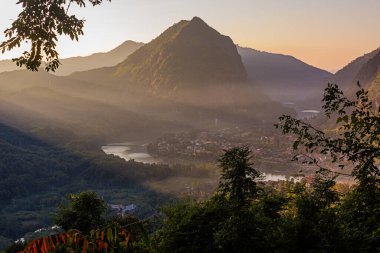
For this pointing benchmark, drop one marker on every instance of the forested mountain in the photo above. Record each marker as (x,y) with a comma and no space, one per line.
(283,77)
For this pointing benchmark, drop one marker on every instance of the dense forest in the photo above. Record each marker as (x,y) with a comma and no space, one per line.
(35,177)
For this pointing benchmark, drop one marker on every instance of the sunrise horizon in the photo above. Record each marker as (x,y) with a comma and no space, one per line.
(315,33)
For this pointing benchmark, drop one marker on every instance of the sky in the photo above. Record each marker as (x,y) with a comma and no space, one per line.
(324,33)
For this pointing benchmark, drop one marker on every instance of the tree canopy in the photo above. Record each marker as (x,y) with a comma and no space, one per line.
(40,23)
(238,176)
(84,212)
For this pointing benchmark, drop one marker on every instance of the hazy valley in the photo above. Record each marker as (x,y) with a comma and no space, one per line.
(171,106)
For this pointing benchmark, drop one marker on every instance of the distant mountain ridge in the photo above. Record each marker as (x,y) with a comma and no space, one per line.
(98,60)
(83,63)
(8,65)
(190,64)
(191,53)
(283,77)
(187,52)
(190,73)
(190,76)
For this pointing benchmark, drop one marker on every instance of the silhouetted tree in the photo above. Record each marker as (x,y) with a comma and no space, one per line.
(356,142)
(40,23)
(238,176)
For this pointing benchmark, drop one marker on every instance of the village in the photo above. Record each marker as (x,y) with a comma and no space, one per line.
(271,152)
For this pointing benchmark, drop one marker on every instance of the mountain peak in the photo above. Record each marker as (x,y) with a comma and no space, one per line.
(197,21)
(188,53)
(196,27)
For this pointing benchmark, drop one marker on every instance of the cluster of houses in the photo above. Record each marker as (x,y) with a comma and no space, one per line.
(201,145)
(208,145)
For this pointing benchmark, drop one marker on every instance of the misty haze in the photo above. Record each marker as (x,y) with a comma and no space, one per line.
(212,135)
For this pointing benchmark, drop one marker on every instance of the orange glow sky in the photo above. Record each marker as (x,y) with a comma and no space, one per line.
(324,33)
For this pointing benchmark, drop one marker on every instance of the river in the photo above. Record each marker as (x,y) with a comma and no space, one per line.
(138,152)
(130,150)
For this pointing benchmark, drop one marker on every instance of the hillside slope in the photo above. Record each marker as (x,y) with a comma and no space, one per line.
(283,77)
(51,101)
(369,71)
(347,77)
